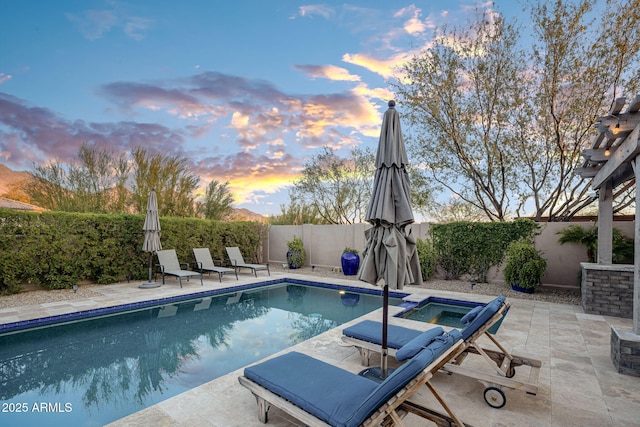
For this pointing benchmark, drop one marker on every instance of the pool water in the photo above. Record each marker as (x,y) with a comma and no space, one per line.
(92,372)
(444,312)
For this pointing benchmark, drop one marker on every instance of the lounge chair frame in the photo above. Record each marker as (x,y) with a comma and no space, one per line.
(502,362)
(389,414)
(237,261)
(168,265)
(204,262)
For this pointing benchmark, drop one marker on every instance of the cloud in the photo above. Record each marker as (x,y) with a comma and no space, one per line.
(136,27)
(414,25)
(96,23)
(30,134)
(254,109)
(93,24)
(384,67)
(249,174)
(315,9)
(5,78)
(330,72)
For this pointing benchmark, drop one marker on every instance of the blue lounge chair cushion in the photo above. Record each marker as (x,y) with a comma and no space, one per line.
(414,346)
(336,396)
(371,331)
(482,317)
(471,314)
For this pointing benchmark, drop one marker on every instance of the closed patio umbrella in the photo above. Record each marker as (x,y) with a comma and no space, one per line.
(390,258)
(151,230)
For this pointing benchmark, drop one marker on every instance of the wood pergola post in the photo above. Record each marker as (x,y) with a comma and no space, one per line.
(636,260)
(605,225)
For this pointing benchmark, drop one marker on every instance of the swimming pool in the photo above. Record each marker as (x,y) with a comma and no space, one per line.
(93,370)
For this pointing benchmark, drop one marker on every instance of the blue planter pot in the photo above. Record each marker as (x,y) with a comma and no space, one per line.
(524,290)
(290,260)
(350,263)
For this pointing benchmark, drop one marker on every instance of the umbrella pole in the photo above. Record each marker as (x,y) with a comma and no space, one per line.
(150,284)
(150,266)
(385,327)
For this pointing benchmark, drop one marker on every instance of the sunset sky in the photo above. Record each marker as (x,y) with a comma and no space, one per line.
(245,90)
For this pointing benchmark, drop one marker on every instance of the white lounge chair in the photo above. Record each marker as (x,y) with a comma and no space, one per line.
(168,264)
(238,262)
(204,262)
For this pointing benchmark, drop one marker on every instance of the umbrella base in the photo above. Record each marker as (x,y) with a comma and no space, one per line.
(149,285)
(375,374)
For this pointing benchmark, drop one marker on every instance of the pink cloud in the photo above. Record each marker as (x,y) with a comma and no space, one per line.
(34,134)
(254,109)
(330,72)
(5,78)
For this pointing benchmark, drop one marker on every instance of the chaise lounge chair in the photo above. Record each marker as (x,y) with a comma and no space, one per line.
(320,394)
(204,263)
(238,262)
(366,336)
(169,265)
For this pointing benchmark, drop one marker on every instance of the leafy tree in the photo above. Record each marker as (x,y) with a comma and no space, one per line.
(337,188)
(218,201)
(500,126)
(169,176)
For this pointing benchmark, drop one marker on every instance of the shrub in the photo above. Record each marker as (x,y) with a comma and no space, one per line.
(428,258)
(57,250)
(350,250)
(474,247)
(525,265)
(296,256)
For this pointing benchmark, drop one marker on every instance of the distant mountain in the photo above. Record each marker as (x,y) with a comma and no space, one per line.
(246,215)
(8,180)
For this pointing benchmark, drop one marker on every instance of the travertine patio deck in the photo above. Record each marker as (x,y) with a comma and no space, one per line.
(578,384)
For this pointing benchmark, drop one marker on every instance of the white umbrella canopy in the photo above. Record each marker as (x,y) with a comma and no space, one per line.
(390,257)
(151,230)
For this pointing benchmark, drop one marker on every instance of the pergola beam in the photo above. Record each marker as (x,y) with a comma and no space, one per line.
(625,152)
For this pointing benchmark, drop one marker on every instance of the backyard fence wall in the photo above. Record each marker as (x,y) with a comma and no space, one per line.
(324,245)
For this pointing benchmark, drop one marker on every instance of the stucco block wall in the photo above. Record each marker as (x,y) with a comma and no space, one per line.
(324,245)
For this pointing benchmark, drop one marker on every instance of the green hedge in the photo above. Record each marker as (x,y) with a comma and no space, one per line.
(471,248)
(57,249)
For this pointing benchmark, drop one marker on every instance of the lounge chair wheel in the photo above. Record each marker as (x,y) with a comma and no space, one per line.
(494,397)
(511,372)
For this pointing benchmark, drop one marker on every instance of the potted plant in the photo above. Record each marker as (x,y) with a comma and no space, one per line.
(350,261)
(525,267)
(296,255)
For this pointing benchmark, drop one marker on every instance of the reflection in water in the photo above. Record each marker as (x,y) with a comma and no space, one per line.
(113,366)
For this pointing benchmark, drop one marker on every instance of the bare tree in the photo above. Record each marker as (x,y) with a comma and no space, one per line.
(501,126)
(456,210)
(296,214)
(337,188)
